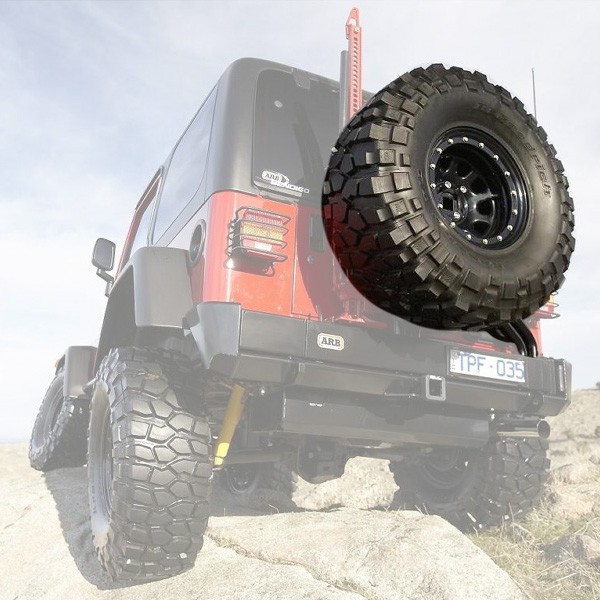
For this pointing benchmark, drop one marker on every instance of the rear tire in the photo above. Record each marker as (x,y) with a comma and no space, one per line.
(149,466)
(473,489)
(436,192)
(59,436)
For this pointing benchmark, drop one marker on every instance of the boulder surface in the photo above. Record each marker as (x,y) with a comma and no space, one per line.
(343,553)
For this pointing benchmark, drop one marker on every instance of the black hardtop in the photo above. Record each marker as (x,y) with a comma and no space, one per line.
(230,166)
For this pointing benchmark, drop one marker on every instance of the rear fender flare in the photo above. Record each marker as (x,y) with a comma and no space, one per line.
(152,291)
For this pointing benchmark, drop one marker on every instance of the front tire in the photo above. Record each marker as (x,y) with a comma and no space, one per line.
(59,436)
(473,489)
(149,466)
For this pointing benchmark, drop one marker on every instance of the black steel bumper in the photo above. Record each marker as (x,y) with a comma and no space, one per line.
(268,349)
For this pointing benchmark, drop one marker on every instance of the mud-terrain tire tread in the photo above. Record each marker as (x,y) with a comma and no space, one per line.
(162,466)
(65,445)
(509,481)
(374,214)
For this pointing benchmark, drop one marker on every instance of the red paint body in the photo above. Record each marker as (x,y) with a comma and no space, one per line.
(294,287)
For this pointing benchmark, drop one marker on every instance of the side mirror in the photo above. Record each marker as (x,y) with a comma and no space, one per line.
(103,257)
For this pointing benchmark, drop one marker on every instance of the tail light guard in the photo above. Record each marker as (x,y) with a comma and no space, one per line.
(258,234)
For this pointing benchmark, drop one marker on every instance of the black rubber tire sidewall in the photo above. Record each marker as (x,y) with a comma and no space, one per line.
(99,511)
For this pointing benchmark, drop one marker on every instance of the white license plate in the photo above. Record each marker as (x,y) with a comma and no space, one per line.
(482,365)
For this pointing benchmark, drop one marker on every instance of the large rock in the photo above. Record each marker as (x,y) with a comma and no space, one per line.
(366,483)
(349,554)
(381,555)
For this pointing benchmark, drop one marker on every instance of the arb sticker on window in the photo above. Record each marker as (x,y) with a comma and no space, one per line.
(280,180)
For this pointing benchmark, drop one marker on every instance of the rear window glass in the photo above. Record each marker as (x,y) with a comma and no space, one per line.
(186,169)
(141,235)
(295,127)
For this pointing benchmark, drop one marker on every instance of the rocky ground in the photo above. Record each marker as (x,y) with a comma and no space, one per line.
(575,455)
(555,552)
(344,543)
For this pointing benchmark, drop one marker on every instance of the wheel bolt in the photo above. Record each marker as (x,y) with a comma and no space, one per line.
(453,225)
(469,236)
(447,184)
(432,165)
(450,141)
(507,173)
(485,242)
(465,139)
(515,211)
(499,238)
(513,193)
(481,145)
(463,189)
(456,215)
(438,150)
(432,186)
(440,206)
(509,227)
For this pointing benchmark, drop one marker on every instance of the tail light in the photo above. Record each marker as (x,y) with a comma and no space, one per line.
(258,234)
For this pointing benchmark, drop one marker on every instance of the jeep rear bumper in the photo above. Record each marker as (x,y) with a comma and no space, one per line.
(268,349)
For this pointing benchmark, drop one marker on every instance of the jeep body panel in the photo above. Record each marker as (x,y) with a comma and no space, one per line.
(152,291)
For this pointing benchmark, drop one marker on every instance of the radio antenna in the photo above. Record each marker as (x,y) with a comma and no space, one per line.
(534,98)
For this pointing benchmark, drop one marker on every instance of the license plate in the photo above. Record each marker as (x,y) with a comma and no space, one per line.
(483,365)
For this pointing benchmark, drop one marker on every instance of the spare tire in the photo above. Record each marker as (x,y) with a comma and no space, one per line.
(445,204)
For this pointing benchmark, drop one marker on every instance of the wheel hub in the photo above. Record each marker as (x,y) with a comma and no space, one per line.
(446,469)
(240,478)
(478,188)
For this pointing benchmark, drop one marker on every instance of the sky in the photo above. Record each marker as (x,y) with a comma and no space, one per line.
(93,95)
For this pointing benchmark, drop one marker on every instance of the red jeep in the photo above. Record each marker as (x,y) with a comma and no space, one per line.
(235,339)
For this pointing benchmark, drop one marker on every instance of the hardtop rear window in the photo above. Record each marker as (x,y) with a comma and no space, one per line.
(295,127)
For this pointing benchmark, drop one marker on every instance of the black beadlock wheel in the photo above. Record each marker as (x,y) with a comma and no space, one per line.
(478,189)
(241,480)
(59,436)
(473,489)
(149,465)
(247,483)
(445,204)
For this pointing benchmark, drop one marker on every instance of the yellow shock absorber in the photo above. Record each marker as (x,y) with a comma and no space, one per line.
(233,414)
